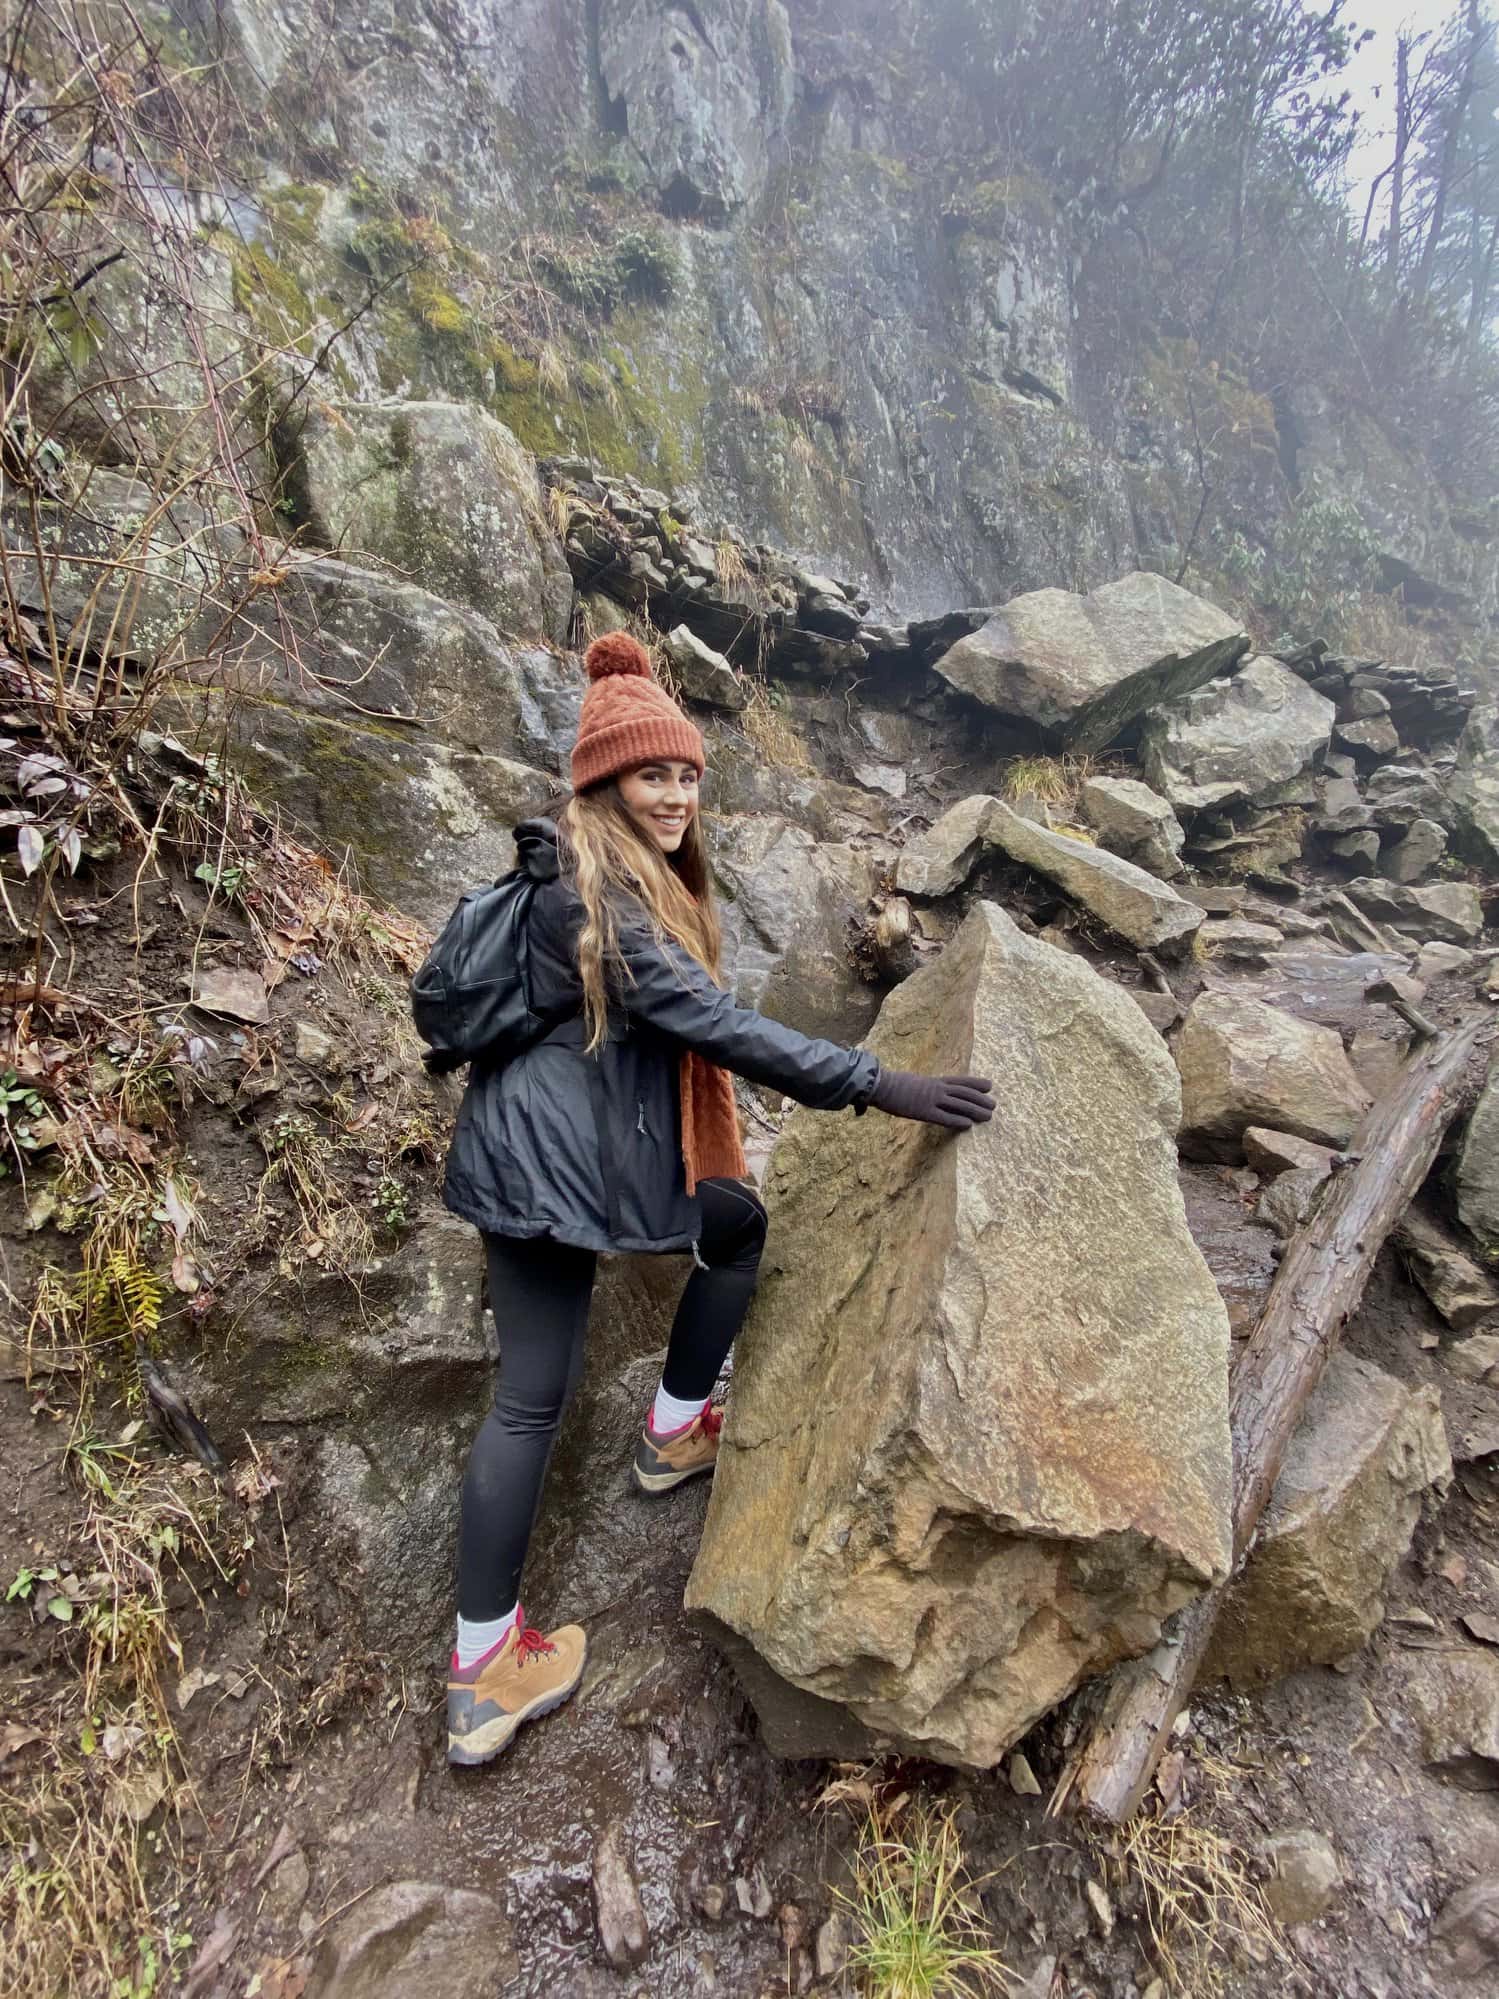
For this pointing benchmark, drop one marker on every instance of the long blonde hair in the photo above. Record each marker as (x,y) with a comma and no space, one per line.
(605,853)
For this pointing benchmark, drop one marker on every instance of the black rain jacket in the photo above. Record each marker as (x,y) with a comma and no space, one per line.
(587,1149)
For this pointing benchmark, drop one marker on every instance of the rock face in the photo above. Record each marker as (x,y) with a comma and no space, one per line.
(1478,1168)
(413,1939)
(1451,1280)
(1445,913)
(1137,907)
(941,859)
(1134,822)
(1473,790)
(1079,668)
(706,112)
(1235,739)
(790,904)
(1040,1470)
(445,495)
(1341,1519)
(1243,1063)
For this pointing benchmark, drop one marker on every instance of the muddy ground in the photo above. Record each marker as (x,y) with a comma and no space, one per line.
(314,1775)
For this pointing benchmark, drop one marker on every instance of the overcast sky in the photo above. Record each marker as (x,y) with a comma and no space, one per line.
(1370,76)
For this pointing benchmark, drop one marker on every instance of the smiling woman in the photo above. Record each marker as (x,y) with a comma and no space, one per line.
(661,798)
(617,1130)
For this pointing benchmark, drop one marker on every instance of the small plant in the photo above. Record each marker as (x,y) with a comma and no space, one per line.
(645,266)
(392,1204)
(1051,780)
(734,578)
(920,1926)
(20,1108)
(1200,1903)
(58,1603)
(225,879)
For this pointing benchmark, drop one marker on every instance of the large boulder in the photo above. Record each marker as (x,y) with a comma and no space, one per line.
(1243,1063)
(116,568)
(1478,1169)
(419,821)
(1341,1519)
(790,905)
(1009,1459)
(1079,668)
(1235,739)
(1133,904)
(389,1376)
(1134,822)
(1444,913)
(368,650)
(941,859)
(1450,1278)
(445,494)
(1473,788)
(1400,794)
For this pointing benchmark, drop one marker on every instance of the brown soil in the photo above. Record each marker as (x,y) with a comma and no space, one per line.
(312,1751)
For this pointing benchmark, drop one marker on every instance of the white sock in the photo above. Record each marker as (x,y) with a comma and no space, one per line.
(670,1412)
(475,1638)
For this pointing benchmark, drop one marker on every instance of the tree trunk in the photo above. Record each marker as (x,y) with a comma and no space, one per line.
(1451,142)
(1316,1291)
(1397,168)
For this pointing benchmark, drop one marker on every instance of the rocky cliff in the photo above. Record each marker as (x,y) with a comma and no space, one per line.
(777,262)
(361,367)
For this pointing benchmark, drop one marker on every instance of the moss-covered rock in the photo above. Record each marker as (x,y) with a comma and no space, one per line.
(446,495)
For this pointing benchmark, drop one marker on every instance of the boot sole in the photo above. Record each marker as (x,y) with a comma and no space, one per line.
(482,1745)
(657,1482)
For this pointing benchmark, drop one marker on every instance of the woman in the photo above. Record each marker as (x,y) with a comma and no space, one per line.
(617,1131)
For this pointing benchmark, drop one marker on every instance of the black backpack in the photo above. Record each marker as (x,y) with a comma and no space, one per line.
(472,997)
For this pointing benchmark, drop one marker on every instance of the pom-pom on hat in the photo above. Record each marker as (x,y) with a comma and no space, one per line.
(628,717)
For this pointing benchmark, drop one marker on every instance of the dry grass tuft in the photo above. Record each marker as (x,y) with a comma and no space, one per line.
(1203,1911)
(770,732)
(734,579)
(1052,780)
(919,1926)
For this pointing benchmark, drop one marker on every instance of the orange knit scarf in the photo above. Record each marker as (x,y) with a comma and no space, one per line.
(710,1123)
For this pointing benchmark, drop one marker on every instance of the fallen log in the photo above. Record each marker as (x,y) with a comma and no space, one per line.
(1316,1291)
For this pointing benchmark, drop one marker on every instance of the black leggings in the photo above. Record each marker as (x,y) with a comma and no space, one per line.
(539,1292)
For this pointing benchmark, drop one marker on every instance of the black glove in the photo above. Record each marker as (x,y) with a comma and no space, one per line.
(958,1102)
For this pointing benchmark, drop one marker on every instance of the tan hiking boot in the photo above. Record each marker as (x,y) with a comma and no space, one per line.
(527,1674)
(662,1462)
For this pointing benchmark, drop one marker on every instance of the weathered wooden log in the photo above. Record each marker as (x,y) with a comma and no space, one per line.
(1316,1291)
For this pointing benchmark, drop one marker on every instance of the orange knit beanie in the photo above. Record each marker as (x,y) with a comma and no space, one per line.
(628,717)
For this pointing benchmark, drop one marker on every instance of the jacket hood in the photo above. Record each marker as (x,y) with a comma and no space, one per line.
(536,846)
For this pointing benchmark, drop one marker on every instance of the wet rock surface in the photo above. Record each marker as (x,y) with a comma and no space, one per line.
(1080,668)
(1244,1063)
(911,1614)
(1366,1453)
(1234,739)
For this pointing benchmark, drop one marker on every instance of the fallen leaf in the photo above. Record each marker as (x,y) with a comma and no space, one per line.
(193,1682)
(281,1845)
(174,1209)
(139,1794)
(185,1274)
(15,1736)
(120,1737)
